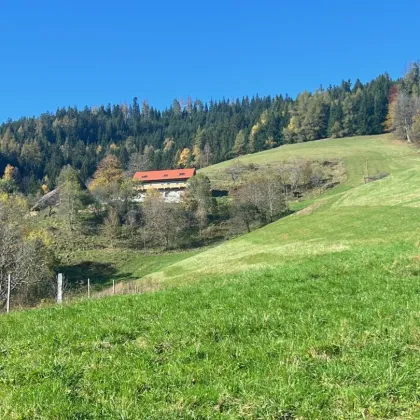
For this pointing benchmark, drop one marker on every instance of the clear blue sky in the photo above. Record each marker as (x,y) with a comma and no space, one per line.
(60,53)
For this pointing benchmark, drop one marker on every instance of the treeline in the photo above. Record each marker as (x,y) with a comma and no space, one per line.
(189,133)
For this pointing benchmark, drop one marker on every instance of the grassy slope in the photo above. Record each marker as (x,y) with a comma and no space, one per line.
(351,216)
(382,152)
(315,316)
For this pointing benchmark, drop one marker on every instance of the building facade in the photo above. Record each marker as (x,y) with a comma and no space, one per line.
(170,183)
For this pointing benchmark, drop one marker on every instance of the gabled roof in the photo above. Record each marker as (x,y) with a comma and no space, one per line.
(167,175)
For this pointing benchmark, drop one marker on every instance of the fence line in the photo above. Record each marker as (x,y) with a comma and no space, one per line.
(121,288)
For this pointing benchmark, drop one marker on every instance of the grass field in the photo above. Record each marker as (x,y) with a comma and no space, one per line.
(314,316)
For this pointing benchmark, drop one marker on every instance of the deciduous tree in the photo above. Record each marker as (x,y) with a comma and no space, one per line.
(70,192)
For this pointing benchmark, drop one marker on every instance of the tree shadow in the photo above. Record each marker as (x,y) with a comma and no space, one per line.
(100,274)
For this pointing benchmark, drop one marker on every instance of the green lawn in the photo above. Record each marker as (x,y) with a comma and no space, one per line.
(316,316)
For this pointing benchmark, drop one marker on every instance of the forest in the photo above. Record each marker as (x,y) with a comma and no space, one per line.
(188,133)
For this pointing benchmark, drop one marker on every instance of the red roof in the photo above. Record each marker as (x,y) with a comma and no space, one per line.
(170,174)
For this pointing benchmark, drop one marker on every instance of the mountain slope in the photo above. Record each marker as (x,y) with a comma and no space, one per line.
(350,216)
(314,316)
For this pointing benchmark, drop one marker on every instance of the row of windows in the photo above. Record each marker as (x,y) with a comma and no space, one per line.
(165,175)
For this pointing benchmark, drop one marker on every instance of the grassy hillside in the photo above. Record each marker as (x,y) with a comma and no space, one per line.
(350,216)
(383,153)
(314,316)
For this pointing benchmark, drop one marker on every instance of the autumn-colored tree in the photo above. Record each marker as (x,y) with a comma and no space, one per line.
(197,156)
(392,97)
(108,174)
(168,144)
(9,173)
(185,158)
(8,182)
(405,111)
(45,189)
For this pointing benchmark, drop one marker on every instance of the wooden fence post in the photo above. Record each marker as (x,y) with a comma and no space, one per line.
(88,288)
(60,288)
(9,286)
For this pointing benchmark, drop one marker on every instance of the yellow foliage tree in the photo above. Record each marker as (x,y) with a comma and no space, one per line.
(185,158)
(109,173)
(168,144)
(45,188)
(392,99)
(9,173)
(197,156)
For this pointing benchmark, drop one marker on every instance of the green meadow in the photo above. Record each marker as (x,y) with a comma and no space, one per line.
(315,316)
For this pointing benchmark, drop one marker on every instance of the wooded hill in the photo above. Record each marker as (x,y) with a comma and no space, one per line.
(187,133)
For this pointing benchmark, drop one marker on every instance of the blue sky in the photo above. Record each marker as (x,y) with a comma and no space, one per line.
(93,52)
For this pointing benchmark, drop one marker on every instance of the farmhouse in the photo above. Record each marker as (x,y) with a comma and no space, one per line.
(170,183)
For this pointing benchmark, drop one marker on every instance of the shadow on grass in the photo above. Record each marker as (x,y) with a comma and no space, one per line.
(100,274)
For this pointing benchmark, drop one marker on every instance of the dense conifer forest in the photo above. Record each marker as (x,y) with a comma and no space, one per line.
(189,133)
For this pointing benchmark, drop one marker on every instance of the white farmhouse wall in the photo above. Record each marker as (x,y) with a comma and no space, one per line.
(169,196)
